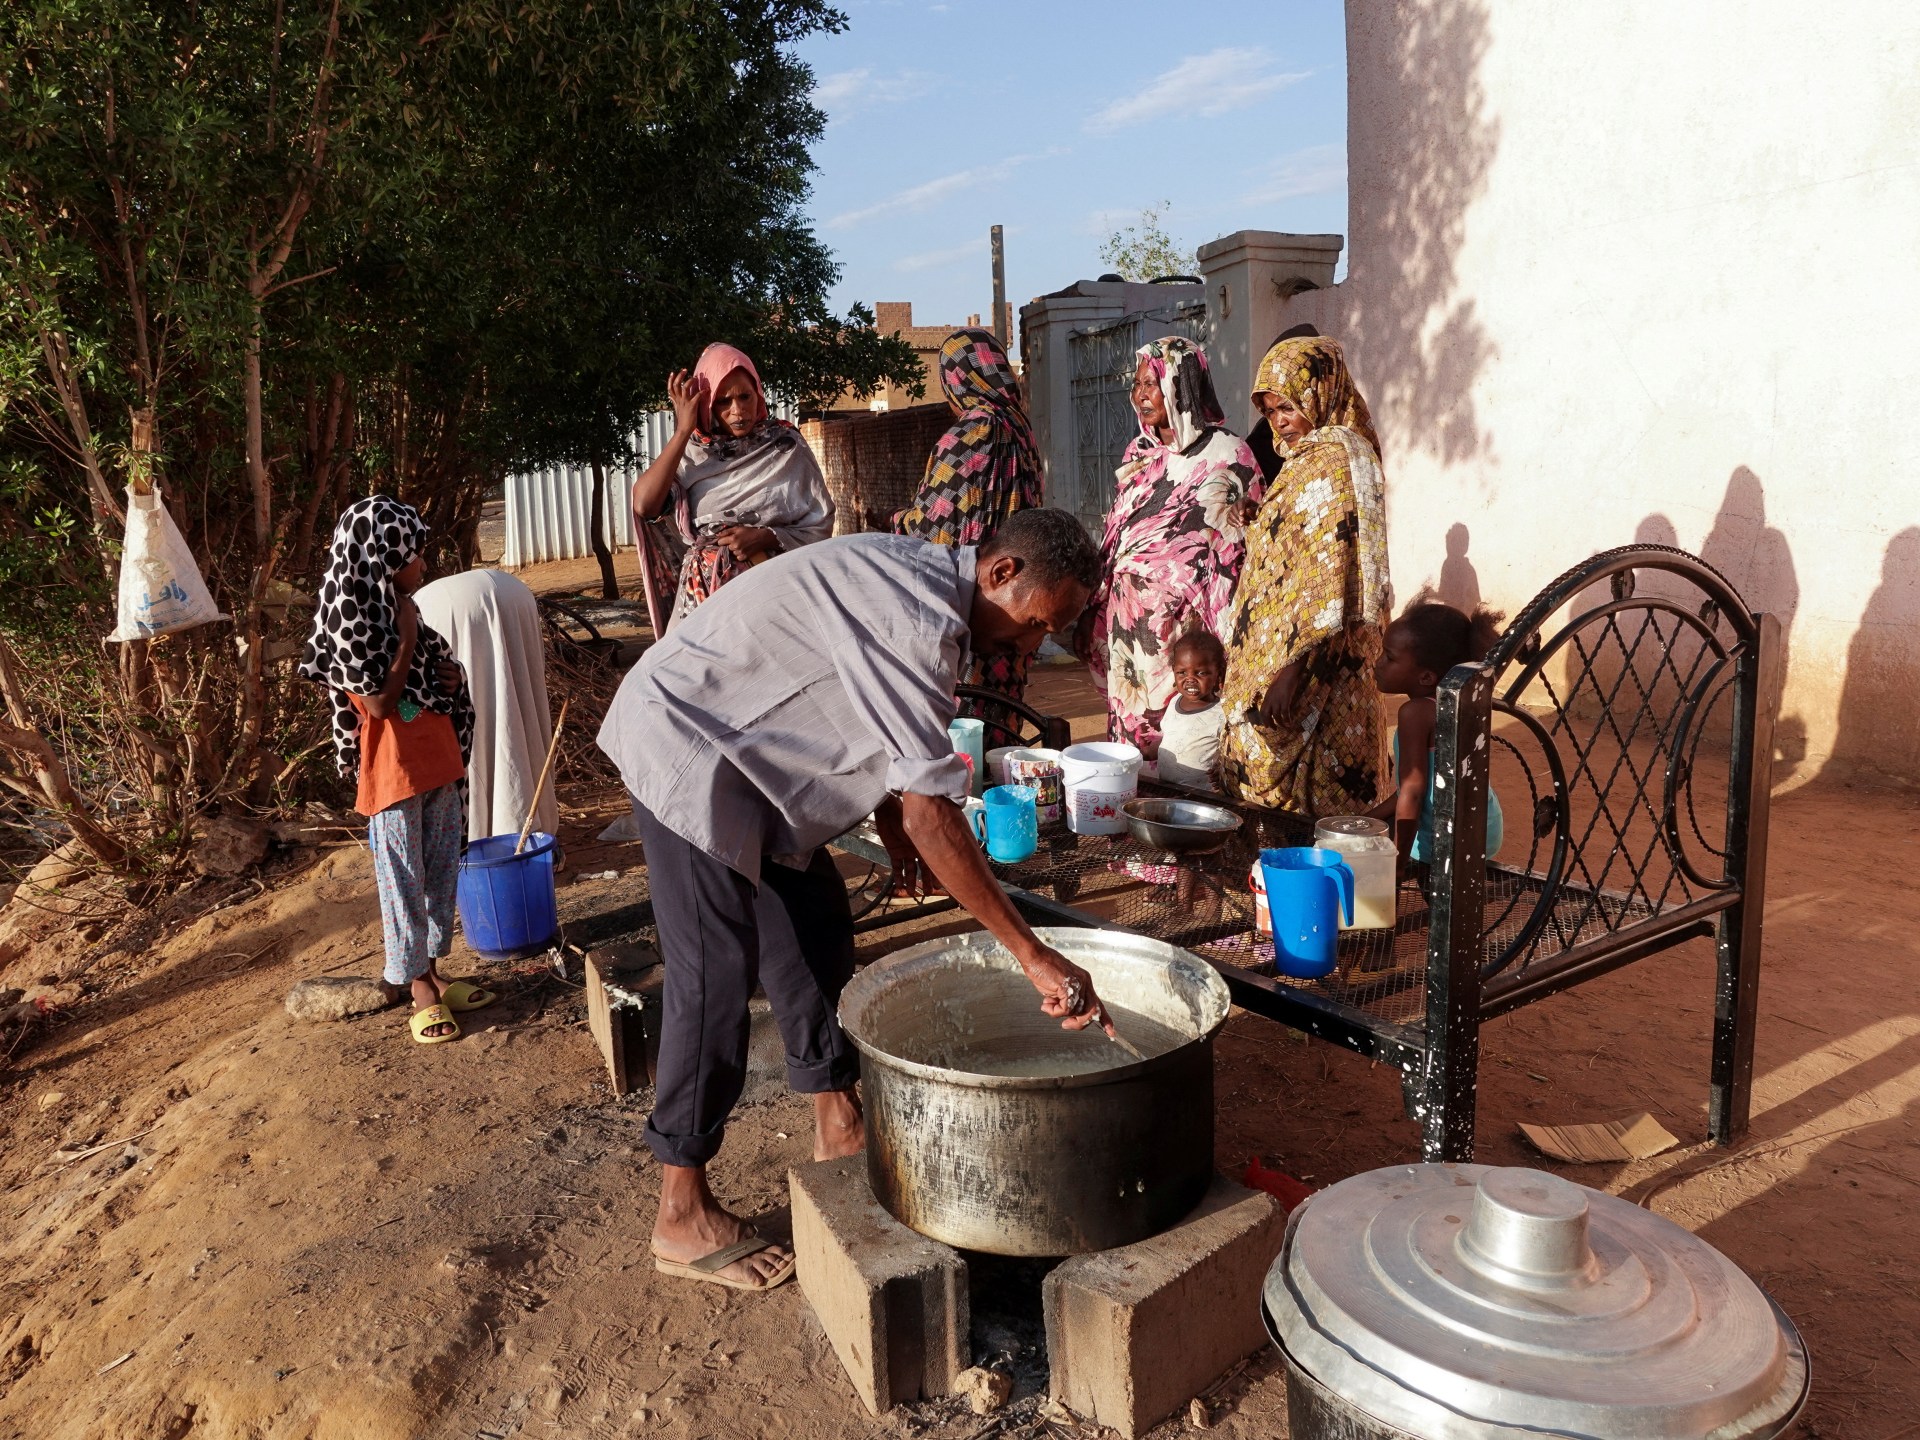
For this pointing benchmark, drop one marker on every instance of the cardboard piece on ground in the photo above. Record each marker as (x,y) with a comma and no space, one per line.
(1634,1138)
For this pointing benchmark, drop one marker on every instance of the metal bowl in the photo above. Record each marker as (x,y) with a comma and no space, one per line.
(1189,825)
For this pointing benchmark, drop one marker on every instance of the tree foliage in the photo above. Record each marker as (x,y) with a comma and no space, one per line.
(276,254)
(1144,250)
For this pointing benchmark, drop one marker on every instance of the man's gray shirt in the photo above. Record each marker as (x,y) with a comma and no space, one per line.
(787,706)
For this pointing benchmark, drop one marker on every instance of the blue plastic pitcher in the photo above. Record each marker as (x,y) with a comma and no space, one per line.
(1009,823)
(969,738)
(1307,892)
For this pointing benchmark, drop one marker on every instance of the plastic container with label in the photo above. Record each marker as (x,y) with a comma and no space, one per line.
(1369,851)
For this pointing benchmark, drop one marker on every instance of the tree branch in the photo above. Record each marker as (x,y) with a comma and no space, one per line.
(24,740)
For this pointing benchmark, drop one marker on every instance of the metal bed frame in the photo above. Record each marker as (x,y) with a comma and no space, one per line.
(1594,707)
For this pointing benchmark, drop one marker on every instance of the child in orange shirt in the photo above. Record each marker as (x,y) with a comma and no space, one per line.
(402,719)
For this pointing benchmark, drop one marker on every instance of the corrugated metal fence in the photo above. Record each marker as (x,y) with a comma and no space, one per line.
(547,510)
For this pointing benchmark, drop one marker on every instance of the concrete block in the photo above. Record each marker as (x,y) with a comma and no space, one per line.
(893,1302)
(623,1011)
(1133,1334)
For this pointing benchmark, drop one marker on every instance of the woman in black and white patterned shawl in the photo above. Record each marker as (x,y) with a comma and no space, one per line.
(354,637)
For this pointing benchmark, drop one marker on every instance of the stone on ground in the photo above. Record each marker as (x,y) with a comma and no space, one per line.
(1134,1333)
(225,845)
(986,1389)
(336,997)
(894,1303)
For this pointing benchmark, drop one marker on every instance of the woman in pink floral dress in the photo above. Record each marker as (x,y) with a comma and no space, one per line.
(1174,538)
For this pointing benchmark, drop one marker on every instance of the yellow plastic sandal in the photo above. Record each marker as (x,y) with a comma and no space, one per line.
(425,1020)
(461,996)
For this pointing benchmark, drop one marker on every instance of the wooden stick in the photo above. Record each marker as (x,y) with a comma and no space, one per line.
(553,746)
(66,1159)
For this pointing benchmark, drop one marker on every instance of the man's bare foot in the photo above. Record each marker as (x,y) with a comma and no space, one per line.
(692,1225)
(839,1127)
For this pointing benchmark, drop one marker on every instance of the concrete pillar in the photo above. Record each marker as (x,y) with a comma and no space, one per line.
(1249,277)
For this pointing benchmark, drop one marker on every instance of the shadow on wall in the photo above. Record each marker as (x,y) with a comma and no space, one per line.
(1459,582)
(1876,728)
(1425,146)
(1758,561)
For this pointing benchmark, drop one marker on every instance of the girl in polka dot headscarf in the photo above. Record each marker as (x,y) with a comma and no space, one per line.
(402,721)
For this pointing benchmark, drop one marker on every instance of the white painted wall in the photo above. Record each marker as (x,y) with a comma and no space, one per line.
(1647,270)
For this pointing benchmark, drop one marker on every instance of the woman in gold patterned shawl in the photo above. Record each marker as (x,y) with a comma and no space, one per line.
(1302,715)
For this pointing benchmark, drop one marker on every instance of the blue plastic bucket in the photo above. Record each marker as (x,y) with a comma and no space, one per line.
(507,903)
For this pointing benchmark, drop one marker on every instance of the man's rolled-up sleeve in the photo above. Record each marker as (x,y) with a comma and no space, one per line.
(903,687)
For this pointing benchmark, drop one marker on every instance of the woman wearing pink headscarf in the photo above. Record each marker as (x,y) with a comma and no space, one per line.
(743,485)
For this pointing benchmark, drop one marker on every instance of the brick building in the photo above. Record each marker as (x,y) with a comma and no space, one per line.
(873,461)
(895,317)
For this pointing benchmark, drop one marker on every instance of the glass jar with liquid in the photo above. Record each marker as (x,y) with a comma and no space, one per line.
(1370,853)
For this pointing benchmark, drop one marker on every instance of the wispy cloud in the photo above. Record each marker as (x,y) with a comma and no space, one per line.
(846,91)
(1209,85)
(1312,171)
(942,259)
(929,193)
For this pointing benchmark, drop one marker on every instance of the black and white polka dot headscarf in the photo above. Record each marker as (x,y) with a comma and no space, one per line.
(354,635)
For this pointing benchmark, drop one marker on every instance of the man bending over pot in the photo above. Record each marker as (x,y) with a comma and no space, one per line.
(808,693)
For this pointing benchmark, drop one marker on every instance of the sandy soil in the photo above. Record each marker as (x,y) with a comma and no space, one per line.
(326,1231)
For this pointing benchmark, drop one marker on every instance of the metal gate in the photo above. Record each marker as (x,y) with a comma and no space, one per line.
(1103,418)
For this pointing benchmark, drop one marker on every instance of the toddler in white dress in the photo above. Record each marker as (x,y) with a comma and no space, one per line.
(1190,728)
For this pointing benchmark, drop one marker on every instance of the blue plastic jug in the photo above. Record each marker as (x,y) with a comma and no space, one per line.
(1308,890)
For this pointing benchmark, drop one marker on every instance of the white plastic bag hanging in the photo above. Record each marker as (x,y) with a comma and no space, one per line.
(160,585)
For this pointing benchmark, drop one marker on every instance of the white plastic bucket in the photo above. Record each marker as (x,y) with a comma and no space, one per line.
(1101,776)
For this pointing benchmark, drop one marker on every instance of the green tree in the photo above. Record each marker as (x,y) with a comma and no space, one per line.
(1144,250)
(277,254)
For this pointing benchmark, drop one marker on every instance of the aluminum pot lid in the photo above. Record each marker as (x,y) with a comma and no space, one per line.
(1459,1297)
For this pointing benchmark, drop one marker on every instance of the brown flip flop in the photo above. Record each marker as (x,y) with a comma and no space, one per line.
(707,1267)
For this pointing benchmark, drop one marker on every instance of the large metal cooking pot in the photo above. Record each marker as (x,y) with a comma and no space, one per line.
(1101,1151)
(1466,1302)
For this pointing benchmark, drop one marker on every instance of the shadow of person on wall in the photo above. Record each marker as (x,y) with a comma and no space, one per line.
(1875,728)
(1656,529)
(1604,653)
(1459,582)
(1756,558)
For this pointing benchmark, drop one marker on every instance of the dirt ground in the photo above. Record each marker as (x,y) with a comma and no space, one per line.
(322,1230)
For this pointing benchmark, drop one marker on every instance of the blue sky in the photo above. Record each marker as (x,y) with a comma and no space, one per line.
(1061,120)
